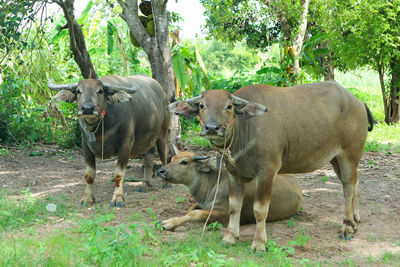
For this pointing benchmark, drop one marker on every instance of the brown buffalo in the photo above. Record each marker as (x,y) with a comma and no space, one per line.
(306,126)
(133,113)
(199,174)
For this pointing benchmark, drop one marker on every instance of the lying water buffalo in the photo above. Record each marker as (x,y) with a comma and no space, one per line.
(133,113)
(306,126)
(199,174)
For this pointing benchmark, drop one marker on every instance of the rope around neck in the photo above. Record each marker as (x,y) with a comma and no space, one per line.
(215,196)
(226,149)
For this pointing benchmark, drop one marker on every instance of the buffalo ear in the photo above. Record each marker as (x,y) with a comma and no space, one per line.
(117,96)
(189,110)
(65,96)
(249,110)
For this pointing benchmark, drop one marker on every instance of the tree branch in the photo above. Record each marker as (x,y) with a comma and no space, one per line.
(77,40)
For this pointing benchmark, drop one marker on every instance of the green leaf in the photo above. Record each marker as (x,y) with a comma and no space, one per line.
(110,37)
(265,70)
(85,12)
(178,63)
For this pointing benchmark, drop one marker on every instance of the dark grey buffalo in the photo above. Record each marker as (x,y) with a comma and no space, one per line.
(306,127)
(133,113)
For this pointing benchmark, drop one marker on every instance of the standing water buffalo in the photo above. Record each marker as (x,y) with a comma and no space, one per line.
(306,126)
(200,175)
(133,113)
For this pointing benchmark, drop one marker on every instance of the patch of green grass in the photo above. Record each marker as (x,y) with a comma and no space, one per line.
(95,243)
(29,210)
(180,200)
(324,179)
(215,226)
(290,223)
(301,240)
(4,151)
(384,138)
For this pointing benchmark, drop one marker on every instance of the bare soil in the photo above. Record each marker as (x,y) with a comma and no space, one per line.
(49,170)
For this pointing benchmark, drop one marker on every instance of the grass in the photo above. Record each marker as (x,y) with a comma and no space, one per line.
(28,210)
(94,243)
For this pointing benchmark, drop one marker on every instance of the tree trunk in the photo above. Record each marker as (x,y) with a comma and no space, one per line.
(381,72)
(327,63)
(77,40)
(298,42)
(157,49)
(393,107)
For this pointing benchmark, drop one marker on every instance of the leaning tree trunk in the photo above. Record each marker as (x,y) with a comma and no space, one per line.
(157,49)
(77,40)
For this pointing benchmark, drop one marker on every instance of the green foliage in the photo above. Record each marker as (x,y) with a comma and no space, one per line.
(180,200)
(324,179)
(241,20)
(28,210)
(290,223)
(220,57)
(215,226)
(301,240)
(189,69)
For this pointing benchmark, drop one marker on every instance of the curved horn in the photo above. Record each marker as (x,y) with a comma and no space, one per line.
(239,101)
(59,87)
(114,87)
(200,157)
(193,100)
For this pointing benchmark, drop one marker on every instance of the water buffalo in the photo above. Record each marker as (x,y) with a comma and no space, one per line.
(199,174)
(306,127)
(133,113)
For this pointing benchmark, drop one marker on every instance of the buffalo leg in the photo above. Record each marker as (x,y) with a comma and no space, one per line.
(90,175)
(261,207)
(191,216)
(236,195)
(119,174)
(356,204)
(162,148)
(349,178)
(148,163)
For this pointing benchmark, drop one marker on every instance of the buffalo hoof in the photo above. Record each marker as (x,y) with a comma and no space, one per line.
(140,190)
(166,185)
(258,248)
(116,204)
(228,240)
(347,232)
(85,203)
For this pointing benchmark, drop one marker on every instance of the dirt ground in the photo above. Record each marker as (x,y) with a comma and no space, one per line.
(51,170)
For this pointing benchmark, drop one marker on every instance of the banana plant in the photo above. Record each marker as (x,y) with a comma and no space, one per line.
(189,69)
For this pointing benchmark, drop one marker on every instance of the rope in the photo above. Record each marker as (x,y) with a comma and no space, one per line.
(102,138)
(215,197)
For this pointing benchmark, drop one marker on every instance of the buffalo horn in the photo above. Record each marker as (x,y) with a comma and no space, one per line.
(239,101)
(114,87)
(193,100)
(200,157)
(59,87)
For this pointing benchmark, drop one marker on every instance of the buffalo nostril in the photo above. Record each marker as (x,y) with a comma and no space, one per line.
(161,171)
(207,128)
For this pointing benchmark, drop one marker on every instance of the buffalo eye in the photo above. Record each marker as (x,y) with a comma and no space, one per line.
(229,107)
(78,92)
(100,92)
(201,106)
(183,162)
